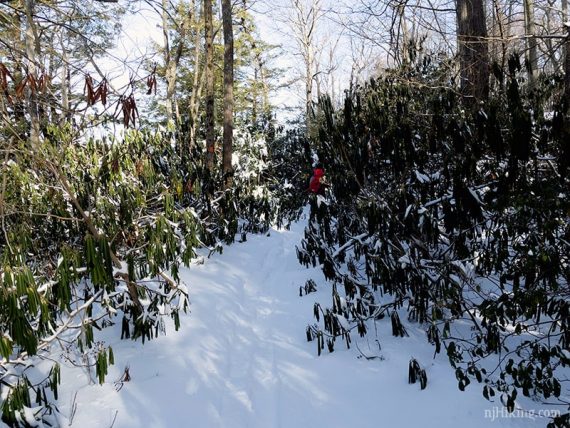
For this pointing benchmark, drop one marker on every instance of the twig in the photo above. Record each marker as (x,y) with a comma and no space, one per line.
(73,409)
(114,419)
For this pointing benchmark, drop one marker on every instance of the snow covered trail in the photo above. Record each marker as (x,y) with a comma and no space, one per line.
(241,359)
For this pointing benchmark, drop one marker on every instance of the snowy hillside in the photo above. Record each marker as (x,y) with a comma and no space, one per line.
(241,359)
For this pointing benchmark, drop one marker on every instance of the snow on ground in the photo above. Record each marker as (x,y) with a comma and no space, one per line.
(241,359)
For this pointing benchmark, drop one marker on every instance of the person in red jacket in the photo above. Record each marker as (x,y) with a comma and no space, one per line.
(316,184)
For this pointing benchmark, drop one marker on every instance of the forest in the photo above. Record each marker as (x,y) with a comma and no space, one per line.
(443,127)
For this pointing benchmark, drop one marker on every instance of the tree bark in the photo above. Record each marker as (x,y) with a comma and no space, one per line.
(473,51)
(167,61)
(209,54)
(304,22)
(197,85)
(565,155)
(567,69)
(308,90)
(65,83)
(172,59)
(499,23)
(564,19)
(532,45)
(32,48)
(254,94)
(404,54)
(228,92)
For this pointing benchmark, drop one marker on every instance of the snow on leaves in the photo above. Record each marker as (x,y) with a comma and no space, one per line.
(444,221)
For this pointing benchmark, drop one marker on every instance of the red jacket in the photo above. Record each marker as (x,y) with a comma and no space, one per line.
(315,183)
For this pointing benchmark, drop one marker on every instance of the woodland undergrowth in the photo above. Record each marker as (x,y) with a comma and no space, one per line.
(94,232)
(453,219)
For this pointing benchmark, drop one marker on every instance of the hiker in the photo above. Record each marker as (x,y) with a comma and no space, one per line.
(317,183)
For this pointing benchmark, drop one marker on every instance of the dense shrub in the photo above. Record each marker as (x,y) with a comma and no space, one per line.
(459,219)
(94,233)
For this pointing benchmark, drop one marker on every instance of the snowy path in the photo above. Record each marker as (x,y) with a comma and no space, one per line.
(241,360)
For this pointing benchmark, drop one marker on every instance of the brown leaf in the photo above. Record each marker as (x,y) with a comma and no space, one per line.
(119,106)
(151,82)
(104,90)
(43,82)
(134,110)
(88,90)
(126,107)
(97,95)
(20,88)
(4,74)
(32,83)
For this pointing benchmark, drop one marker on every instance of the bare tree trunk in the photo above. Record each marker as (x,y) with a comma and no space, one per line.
(567,68)
(332,66)
(532,46)
(65,83)
(197,89)
(209,53)
(552,50)
(265,91)
(318,75)
(565,155)
(333,88)
(261,91)
(403,29)
(309,59)
(197,86)
(497,14)
(564,19)
(303,21)
(473,51)
(50,97)
(254,95)
(32,43)
(172,59)
(228,92)
(166,41)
